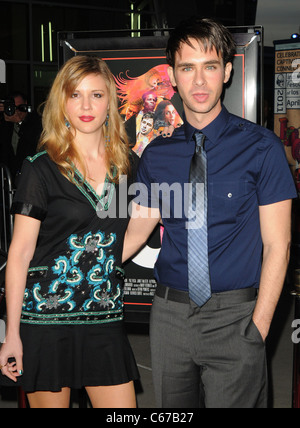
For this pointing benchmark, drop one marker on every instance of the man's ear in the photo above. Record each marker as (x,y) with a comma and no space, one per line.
(228,70)
(172,76)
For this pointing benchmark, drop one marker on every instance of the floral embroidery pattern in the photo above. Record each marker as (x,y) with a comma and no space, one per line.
(82,280)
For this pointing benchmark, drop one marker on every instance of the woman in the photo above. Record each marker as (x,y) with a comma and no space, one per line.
(63,278)
(166,116)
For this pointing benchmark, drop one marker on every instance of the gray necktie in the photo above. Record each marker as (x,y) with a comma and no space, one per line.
(198,268)
(15,137)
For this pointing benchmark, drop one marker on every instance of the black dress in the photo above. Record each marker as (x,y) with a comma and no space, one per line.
(72,318)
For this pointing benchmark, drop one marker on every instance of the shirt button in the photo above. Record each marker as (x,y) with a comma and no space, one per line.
(229,195)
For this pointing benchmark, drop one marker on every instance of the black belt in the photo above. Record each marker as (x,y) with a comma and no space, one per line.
(233,296)
(172,294)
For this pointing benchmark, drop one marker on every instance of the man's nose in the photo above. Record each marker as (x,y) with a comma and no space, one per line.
(199,77)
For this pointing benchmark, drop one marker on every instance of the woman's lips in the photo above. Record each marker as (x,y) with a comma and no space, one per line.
(86,118)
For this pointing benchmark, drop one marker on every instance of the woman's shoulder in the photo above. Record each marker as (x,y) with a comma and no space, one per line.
(41,161)
(41,165)
(40,157)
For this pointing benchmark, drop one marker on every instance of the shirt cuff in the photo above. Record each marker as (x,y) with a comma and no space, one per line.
(28,210)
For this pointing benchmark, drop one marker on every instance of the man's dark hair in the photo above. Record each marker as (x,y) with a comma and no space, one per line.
(18,93)
(208,32)
(148,115)
(145,95)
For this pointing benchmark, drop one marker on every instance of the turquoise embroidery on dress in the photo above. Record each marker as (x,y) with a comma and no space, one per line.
(92,252)
(91,244)
(33,158)
(97,201)
(68,274)
(52,302)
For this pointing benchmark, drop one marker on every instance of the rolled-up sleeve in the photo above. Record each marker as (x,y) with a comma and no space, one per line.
(31,195)
(276,182)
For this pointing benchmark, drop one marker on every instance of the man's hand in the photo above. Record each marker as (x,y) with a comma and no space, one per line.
(275,222)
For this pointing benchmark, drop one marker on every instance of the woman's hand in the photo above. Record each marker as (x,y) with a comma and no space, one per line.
(11,358)
(21,251)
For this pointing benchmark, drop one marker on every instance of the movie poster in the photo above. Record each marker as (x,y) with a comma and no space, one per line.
(148,103)
(287,101)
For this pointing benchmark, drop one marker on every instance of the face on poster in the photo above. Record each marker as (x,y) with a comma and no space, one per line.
(145,94)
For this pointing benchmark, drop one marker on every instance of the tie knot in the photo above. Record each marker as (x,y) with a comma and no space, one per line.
(199,139)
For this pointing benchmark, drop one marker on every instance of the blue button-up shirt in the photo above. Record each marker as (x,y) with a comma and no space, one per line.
(247,168)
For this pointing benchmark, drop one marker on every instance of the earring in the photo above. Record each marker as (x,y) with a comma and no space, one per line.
(68,125)
(107,120)
(107,139)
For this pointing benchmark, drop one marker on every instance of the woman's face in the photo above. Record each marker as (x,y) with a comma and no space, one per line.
(88,105)
(170,114)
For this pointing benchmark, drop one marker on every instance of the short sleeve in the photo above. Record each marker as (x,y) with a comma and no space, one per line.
(31,195)
(276,182)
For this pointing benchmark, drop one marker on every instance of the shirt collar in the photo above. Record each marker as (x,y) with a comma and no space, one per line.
(213,131)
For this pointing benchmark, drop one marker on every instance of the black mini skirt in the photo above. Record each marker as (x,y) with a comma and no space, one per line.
(74,356)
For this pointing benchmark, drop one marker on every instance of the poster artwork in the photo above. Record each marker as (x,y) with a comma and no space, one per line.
(146,100)
(287,102)
(149,99)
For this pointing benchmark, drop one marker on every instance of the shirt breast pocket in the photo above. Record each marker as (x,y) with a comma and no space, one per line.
(227,200)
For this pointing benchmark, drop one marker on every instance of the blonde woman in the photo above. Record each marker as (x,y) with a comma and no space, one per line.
(64,276)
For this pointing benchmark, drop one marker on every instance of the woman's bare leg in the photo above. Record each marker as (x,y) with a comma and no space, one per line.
(116,396)
(50,400)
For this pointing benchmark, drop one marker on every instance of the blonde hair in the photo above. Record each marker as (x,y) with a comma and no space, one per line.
(56,138)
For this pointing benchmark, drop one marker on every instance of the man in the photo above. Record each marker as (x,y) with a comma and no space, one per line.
(150,101)
(145,134)
(19,134)
(208,326)
(133,108)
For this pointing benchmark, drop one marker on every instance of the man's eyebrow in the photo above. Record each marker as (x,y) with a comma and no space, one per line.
(213,61)
(185,64)
(190,64)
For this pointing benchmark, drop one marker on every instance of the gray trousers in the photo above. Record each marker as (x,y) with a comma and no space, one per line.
(211,357)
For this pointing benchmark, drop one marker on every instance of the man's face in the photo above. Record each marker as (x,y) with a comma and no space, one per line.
(199,77)
(146,126)
(19,116)
(132,110)
(150,102)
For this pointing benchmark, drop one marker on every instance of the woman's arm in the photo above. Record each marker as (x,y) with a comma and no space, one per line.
(22,248)
(142,223)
